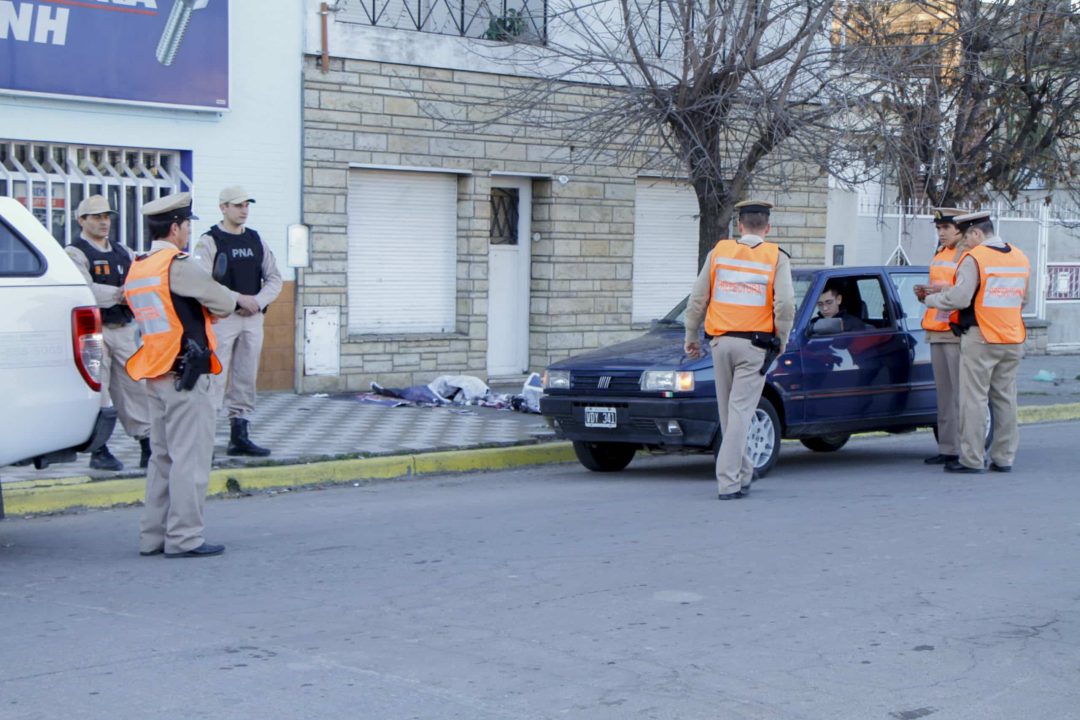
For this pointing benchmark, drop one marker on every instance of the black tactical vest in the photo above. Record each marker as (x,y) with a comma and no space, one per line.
(243,259)
(108,268)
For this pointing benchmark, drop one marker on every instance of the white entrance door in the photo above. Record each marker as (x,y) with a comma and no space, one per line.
(508,277)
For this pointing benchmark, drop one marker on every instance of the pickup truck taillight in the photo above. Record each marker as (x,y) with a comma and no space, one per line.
(88,344)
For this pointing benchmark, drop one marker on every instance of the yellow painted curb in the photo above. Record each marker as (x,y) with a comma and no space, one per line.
(27,497)
(1048,413)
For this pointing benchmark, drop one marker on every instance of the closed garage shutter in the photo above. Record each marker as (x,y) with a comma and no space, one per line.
(665,246)
(402,252)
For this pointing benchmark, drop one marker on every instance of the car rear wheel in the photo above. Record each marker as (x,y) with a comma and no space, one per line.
(762,438)
(826,443)
(604,456)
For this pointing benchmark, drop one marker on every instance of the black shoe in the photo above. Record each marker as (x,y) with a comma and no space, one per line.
(941,459)
(148,553)
(1000,468)
(204,550)
(102,459)
(732,496)
(240,443)
(144,457)
(954,466)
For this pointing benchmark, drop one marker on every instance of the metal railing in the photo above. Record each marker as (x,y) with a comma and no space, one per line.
(500,20)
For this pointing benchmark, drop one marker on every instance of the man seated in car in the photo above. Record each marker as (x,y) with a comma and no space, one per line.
(830,305)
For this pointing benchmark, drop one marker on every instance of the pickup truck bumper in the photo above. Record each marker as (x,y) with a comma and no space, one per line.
(641,421)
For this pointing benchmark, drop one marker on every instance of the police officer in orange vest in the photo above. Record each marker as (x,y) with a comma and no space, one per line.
(172,298)
(989,289)
(745,296)
(944,344)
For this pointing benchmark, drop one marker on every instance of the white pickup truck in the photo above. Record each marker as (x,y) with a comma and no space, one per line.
(50,349)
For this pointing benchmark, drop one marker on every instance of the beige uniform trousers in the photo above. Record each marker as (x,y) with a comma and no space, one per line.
(945,359)
(736,367)
(182,443)
(988,374)
(127,395)
(239,343)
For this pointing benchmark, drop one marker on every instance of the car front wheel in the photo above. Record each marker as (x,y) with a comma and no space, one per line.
(826,443)
(762,438)
(604,456)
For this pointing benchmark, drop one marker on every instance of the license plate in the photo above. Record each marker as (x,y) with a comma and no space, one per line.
(600,417)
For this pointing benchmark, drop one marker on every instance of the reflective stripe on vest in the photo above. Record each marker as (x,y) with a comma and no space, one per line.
(150,298)
(1003,277)
(741,296)
(942,272)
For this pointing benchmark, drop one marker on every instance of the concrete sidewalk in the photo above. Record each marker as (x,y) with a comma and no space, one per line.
(335,439)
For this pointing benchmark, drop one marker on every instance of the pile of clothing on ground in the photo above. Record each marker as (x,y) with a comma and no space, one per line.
(457,390)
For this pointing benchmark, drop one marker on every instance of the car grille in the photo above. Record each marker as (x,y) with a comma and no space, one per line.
(606,382)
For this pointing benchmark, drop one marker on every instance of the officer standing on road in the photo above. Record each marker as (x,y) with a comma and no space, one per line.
(247,266)
(989,289)
(172,299)
(105,265)
(944,344)
(745,296)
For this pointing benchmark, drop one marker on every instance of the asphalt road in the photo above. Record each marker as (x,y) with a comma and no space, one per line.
(857,585)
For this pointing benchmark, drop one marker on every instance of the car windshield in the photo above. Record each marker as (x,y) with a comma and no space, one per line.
(800,280)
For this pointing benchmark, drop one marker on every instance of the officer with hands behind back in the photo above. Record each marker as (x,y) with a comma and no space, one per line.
(944,344)
(247,266)
(172,298)
(989,290)
(105,265)
(745,297)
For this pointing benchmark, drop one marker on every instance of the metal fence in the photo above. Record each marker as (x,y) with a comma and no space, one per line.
(499,20)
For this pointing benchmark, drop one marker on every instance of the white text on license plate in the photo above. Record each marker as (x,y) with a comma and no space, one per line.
(600,417)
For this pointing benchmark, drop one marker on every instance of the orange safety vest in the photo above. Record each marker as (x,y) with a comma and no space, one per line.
(151,300)
(942,272)
(741,294)
(998,303)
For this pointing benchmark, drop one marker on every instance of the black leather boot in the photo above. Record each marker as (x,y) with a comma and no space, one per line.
(102,459)
(239,443)
(144,457)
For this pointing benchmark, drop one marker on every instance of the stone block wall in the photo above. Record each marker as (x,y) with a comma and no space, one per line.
(370,113)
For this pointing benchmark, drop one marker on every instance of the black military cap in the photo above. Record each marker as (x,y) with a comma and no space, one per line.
(753,206)
(947,215)
(175,208)
(963,222)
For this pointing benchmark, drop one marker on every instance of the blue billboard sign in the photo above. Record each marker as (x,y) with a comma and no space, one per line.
(167,52)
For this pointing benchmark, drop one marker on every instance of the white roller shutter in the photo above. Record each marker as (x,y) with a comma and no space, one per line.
(402,252)
(665,246)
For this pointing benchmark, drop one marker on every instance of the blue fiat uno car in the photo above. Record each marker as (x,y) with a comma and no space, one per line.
(647,394)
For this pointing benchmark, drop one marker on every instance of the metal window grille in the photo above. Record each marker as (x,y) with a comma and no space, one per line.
(1063,281)
(51,180)
(504,216)
(502,20)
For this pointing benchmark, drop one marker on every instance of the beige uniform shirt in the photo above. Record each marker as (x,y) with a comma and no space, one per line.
(189,279)
(783,296)
(963,290)
(106,295)
(206,250)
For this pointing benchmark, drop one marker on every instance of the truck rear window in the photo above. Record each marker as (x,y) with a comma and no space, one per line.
(16,256)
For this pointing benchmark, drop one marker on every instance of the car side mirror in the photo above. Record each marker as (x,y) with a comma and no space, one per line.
(826,326)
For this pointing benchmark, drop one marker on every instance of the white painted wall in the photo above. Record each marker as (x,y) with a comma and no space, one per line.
(257,143)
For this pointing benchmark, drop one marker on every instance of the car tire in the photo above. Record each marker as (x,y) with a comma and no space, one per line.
(826,443)
(604,456)
(762,439)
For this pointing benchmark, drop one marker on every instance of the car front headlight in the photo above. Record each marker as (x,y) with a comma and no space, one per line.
(557,380)
(667,381)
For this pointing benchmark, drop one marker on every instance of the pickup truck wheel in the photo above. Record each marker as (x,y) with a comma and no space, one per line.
(826,443)
(604,456)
